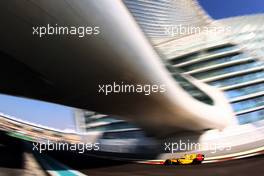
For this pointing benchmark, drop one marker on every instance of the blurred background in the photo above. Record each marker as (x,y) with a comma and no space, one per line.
(214,81)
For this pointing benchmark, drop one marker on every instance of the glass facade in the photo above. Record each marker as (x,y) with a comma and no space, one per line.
(221,49)
(131,134)
(232,50)
(185,58)
(248,104)
(188,86)
(109,119)
(245,90)
(212,61)
(112,126)
(246,85)
(251,117)
(238,79)
(203,54)
(226,70)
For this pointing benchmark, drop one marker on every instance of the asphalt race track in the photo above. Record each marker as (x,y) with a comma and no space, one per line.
(98,167)
(12,162)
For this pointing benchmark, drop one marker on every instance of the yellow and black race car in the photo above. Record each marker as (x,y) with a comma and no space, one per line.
(186,159)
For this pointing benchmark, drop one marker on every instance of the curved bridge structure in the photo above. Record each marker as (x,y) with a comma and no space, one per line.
(69,69)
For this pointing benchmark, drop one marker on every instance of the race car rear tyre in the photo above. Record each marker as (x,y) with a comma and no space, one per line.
(167,162)
(196,161)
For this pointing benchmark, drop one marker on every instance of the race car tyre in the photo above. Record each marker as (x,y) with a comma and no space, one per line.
(196,161)
(167,162)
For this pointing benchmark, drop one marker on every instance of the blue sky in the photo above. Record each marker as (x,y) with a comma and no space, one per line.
(228,8)
(48,114)
(61,117)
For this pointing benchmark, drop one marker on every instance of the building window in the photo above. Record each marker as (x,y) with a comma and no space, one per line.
(251,117)
(248,104)
(245,90)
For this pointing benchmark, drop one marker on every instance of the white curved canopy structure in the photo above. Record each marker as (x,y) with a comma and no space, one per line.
(67,69)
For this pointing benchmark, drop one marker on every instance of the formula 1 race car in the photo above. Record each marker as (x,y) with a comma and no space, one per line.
(186,159)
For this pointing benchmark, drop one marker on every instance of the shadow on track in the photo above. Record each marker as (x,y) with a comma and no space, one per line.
(95,167)
(11,152)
